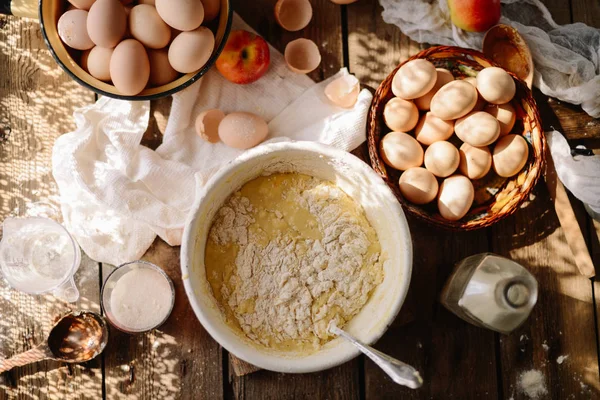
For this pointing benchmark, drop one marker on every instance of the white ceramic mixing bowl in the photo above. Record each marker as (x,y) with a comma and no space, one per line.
(357,180)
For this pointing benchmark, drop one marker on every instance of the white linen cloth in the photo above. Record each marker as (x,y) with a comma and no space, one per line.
(117,195)
(566,57)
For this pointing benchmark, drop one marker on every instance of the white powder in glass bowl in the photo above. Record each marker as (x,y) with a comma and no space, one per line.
(141,299)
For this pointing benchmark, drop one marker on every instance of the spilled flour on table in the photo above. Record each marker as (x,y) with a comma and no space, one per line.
(533,384)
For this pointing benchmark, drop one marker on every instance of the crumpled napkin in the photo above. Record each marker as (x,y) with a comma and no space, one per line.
(117,195)
(566,57)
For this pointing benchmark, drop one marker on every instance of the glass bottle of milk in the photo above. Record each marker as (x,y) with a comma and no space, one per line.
(491,291)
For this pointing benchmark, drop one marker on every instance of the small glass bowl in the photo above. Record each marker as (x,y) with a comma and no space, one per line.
(110,283)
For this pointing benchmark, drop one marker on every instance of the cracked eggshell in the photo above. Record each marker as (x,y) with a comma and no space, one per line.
(414,79)
(505,114)
(495,85)
(443,77)
(431,129)
(455,197)
(72,30)
(454,100)
(442,159)
(293,15)
(418,185)
(475,162)
(401,151)
(242,130)
(400,115)
(207,124)
(302,56)
(343,91)
(477,128)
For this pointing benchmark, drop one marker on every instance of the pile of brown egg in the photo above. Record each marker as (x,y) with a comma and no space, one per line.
(477,109)
(139,44)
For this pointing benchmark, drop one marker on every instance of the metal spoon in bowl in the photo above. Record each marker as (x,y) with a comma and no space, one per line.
(75,338)
(401,373)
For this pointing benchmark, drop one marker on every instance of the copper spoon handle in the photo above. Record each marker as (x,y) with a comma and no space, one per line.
(39,353)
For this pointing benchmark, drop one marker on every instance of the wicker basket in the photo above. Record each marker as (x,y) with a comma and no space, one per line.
(495,197)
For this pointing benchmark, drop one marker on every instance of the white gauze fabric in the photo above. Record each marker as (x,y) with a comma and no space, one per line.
(566,58)
(117,195)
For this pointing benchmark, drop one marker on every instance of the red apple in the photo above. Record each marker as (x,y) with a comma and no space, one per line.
(474,15)
(245,57)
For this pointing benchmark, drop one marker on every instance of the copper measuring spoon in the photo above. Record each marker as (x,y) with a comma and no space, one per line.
(75,338)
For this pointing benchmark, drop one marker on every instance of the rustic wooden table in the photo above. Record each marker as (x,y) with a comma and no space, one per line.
(181,360)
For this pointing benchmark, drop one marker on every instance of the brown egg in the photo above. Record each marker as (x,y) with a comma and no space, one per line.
(147,27)
(477,128)
(189,51)
(510,155)
(211,9)
(72,30)
(129,67)
(184,15)
(480,105)
(150,2)
(505,114)
(302,56)
(243,130)
(418,185)
(443,77)
(400,115)
(414,79)
(98,63)
(343,91)
(207,125)
(107,22)
(455,197)
(161,71)
(454,100)
(82,4)
(293,15)
(442,159)
(431,129)
(475,162)
(495,85)
(401,151)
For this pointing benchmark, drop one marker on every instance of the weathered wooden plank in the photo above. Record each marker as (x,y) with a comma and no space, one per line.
(36,103)
(455,358)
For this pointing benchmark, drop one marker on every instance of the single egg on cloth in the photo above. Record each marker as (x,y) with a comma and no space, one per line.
(510,155)
(207,124)
(475,162)
(302,56)
(443,77)
(414,79)
(481,103)
(107,23)
(401,151)
(455,197)
(189,51)
(147,27)
(431,129)
(418,185)
(495,85)
(441,159)
(98,63)
(130,67)
(293,15)
(161,71)
(505,114)
(72,30)
(242,130)
(454,100)
(477,128)
(400,115)
(343,91)
(184,15)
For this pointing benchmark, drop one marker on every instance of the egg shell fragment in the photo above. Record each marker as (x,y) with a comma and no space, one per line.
(454,100)
(400,115)
(293,15)
(343,91)
(431,129)
(161,71)
(455,197)
(505,114)
(242,130)
(148,28)
(495,85)
(441,159)
(207,124)
(414,79)
(510,155)
(98,63)
(418,185)
(72,30)
(401,151)
(477,128)
(302,56)
(130,67)
(190,51)
(107,23)
(443,77)
(184,15)
(475,162)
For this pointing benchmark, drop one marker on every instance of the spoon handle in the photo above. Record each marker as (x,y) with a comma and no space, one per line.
(36,354)
(401,373)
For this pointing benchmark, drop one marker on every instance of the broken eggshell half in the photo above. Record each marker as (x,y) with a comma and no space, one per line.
(343,91)
(207,124)
(293,15)
(302,56)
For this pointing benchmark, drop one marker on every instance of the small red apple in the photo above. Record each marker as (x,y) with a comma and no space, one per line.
(245,57)
(474,15)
